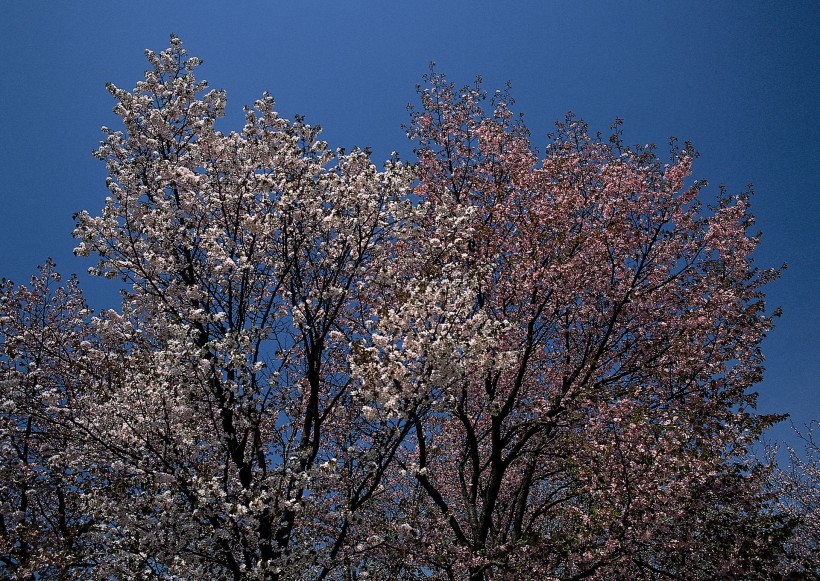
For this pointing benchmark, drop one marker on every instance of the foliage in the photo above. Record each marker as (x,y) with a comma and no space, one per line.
(486,365)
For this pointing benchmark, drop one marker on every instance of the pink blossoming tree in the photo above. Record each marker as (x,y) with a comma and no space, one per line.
(486,365)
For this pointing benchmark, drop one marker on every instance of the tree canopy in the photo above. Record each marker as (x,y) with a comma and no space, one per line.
(486,364)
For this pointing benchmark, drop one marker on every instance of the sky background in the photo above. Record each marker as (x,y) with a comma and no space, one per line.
(739,79)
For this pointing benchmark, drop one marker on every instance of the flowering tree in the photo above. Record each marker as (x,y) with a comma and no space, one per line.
(44,529)
(486,365)
(582,338)
(798,490)
(251,256)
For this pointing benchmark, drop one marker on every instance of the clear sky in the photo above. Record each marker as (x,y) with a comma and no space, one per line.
(739,79)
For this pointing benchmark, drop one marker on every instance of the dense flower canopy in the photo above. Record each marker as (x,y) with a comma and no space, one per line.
(489,364)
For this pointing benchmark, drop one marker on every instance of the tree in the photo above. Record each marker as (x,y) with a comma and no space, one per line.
(797,488)
(485,365)
(44,529)
(586,338)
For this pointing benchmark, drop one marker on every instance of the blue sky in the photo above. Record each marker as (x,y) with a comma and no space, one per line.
(741,80)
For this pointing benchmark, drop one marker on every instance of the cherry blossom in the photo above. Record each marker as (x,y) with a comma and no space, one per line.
(492,363)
